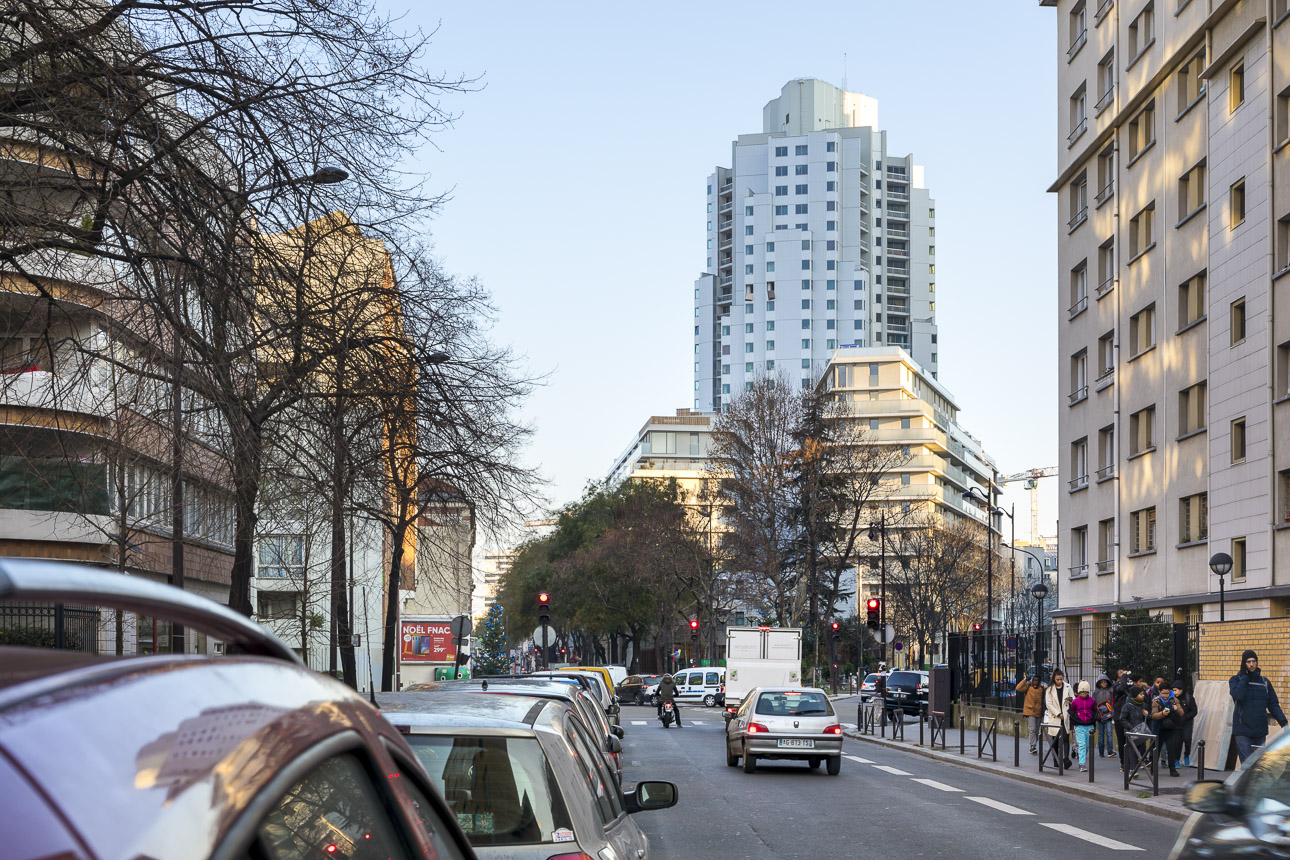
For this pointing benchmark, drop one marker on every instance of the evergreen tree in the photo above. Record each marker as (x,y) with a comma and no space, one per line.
(490,654)
(1140,642)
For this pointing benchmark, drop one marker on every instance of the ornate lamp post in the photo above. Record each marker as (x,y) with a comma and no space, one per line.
(1221,564)
(1039,592)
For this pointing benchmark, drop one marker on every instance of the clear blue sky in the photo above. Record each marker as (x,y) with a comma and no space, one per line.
(577,192)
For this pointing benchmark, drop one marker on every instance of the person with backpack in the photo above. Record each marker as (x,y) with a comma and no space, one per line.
(1032,708)
(1083,716)
(667,693)
(1167,712)
(1057,718)
(1255,700)
(1104,696)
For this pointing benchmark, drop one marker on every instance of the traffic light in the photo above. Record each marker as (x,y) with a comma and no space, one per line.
(833,631)
(544,608)
(694,630)
(976,628)
(872,609)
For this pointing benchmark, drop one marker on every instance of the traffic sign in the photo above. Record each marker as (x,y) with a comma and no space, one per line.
(898,646)
(1012,643)
(550,635)
(461,626)
(886,636)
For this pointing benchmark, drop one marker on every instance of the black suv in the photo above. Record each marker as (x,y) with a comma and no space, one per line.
(907,691)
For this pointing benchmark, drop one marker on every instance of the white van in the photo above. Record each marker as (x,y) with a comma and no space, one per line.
(703,684)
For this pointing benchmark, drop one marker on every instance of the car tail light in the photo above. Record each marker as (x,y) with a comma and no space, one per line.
(754,728)
(833,730)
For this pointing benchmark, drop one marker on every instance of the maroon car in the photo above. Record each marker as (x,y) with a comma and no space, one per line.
(245,755)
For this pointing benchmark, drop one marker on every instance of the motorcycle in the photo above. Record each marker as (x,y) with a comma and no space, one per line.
(667,715)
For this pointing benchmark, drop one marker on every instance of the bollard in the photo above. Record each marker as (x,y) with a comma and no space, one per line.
(1061,753)
(980,730)
(1088,752)
(1040,747)
(962,722)
(920,729)
(1016,744)
(882,723)
(1200,760)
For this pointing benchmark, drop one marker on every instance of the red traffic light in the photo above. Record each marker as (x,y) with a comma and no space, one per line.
(834,625)
(543,597)
(873,604)
(976,626)
(694,624)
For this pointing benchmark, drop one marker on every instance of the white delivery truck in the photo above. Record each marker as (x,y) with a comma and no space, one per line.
(761,657)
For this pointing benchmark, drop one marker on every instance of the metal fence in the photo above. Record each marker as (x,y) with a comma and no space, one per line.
(38,625)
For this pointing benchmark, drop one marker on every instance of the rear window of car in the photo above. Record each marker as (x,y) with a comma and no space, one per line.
(794,704)
(871,679)
(501,790)
(901,679)
(712,678)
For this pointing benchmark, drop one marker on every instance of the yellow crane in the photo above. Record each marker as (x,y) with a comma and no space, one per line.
(1031,477)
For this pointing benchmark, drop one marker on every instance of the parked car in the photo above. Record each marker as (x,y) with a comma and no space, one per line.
(592,682)
(632,690)
(870,685)
(541,688)
(785,723)
(246,754)
(907,691)
(522,776)
(1246,816)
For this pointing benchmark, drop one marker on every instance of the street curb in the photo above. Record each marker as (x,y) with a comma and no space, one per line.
(1021,776)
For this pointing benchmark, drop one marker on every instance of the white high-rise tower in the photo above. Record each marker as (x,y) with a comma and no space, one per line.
(817,239)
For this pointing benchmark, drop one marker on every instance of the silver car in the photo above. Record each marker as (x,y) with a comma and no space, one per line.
(523,775)
(785,723)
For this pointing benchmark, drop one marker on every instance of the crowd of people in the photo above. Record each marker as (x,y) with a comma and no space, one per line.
(1104,713)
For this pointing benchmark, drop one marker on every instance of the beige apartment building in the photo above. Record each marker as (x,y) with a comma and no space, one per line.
(1174,350)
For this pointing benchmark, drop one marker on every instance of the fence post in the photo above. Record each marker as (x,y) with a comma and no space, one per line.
(882,723)
(1155,768)
(922,712)
(1016,744)
(962,722)
(60,635)
(1200,760)
(980,730)
(1088,751)
(1040,747)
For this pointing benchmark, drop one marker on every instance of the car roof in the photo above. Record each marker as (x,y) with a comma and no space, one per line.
(791,690)
(464,710)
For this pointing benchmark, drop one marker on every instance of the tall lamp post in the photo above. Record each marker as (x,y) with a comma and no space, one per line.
(1039,591)
(878,532)
(1221,564)
(991,509)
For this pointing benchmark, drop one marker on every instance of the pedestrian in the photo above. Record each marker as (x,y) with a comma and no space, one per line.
(1057,718)
(1133,718)
(1119,695)
(1104,696)
(1167,712)
(667,693)
(1255,699)
(1189,711)
(1032,708)
(1083,716)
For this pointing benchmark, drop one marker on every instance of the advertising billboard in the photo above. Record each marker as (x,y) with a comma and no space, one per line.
(427,642)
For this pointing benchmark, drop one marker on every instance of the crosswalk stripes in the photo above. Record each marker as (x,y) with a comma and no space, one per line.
(894,771)
(939,786)
(1002,807)
(857,758)
(640,722)
(1096,839)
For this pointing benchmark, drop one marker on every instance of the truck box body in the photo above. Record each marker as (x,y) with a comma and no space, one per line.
(761,657)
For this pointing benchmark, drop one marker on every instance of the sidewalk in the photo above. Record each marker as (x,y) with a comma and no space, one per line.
(1107,787)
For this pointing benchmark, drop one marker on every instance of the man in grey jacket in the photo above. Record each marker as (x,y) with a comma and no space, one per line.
(1255,700)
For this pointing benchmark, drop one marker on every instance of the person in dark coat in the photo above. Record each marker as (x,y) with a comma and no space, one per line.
(1188,702)
(1119,695)
(667,693)
(1255,700)
(1167,712)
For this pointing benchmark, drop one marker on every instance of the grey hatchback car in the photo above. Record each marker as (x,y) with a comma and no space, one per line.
(524,776)
(785,723)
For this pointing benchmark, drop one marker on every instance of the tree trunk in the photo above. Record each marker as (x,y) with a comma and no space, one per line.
(247,453)
(393,584)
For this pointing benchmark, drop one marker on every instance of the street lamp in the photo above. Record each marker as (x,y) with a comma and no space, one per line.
(975,494)
(1039,591)
(1221,564)
(878,532)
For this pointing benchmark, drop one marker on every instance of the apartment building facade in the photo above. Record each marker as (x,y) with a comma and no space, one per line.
(1175,357)
(817,238)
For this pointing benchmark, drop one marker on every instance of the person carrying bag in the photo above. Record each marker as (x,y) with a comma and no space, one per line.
(1057,718)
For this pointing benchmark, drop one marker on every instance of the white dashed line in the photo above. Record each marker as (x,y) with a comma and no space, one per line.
(858,759)
(1105,842)
(894,771)
(697,723)
(640,723)
(1002,807)
(939,786)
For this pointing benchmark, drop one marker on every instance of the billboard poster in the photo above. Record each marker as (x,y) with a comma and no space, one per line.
(427,642)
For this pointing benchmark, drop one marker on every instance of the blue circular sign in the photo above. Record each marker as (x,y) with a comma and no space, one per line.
(899,646)
(1012,643)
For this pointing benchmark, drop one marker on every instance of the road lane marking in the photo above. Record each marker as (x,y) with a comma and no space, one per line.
(1105,842)
(1002,807)
(939,786)
(849,725)
(640,723)
(697,723)
(894,771)
(858,759)
(636,764)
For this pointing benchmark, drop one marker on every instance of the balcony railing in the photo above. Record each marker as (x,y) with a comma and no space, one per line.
(1102,9)
(1106,566)
(726,279)
(1078,571)
(1106,472)
(1105,100)
(1079,483)
(1080,128)
(897,234)
(1106,285)
(899,196)
(1077,219)
(901,214)
(902,269)
(1106,379)
(900,253)
(1078,43)
(1078,394)
(897,174)
(729,184)
(1108,190)
(1081,304)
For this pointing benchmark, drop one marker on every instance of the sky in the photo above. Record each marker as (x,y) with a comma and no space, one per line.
(576,176)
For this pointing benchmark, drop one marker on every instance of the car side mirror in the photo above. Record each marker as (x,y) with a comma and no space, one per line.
(1209,796)
(617,730)
(613,744)
(614,699)
(651,795)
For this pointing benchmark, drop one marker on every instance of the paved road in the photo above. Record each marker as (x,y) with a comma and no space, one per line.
(887,801)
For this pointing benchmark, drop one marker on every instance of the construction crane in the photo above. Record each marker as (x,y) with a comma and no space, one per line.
(1031,477)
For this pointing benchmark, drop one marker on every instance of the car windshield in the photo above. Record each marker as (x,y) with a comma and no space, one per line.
(794,704)
(1266,787)
(871,679)
(502,790)
(899,679)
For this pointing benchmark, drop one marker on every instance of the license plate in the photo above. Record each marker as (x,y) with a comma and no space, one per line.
(797,743)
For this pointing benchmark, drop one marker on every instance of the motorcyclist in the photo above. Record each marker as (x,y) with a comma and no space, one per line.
(667,693)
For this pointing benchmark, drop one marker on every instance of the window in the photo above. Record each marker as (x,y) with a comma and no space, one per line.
(830,226)
(1142,231)
(748,250)
(1143,526)
(799,169)
(1079,551)
(873,423)
(829,206)
(1191,300)
(770,346)
(1105,175)
(800,149)
(1236,87)
(830,304)
(1105,354)
(830,167)
(1079,288)
(1142,130)
(904,424)
(806,304)
(1193,518)
(1141,431)
(799,189)
(1142,31)
(601,783)
(800,209)
(1191,190)
(748,328)
(770,365)
(1238,440)
(781,151)
(781,170)
(276,605)
(1079,463)
(770,324)
(1142,331)
(1105,267)
(748,231)
(1283,116)
(1078,201)
(779,210)
(1191,409)
(748,268)
(831,146)
(781,190)
(1078,28)
(1237,317)
(806,264)
(770,306)
(1236,203)
(1079,376)
(770,266)
(281,557)
(1191,86)
(904,479)
(1078,113)
(1105,81)
(1106,546)
(1106,452)
(806,341)
(1239,559)
(806,363)
(748,347)
(748,210)
(725,370)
